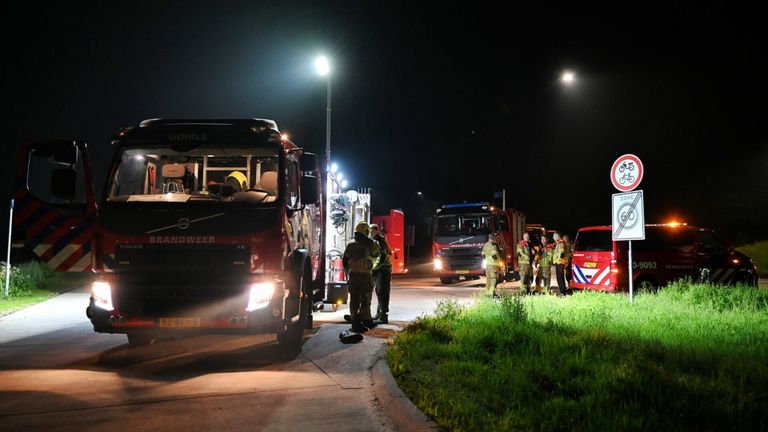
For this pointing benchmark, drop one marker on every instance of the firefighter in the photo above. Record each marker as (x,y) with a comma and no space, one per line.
(569,260)
(237,180)
(559,259)
(544,257)
(524,259)
(359,258)
(382,276)
(491,256)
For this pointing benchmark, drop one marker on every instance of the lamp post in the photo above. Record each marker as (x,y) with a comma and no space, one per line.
(323,67)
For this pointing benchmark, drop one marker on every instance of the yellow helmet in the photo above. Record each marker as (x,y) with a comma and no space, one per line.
(237,178)
(362,228)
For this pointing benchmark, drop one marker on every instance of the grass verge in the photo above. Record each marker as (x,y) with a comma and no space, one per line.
(691,357)
(30,283)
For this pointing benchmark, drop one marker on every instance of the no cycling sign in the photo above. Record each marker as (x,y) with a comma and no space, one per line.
(627,173)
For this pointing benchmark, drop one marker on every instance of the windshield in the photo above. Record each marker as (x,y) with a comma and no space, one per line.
(170,174)
(593,241)
(463,224)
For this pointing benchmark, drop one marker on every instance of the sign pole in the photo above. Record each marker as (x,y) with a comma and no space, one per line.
(8,259)
(504,199)
(631,283)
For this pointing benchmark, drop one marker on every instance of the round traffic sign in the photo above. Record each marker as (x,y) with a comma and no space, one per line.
(627,172)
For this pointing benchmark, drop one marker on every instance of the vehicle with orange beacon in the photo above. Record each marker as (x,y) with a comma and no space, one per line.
(669,252)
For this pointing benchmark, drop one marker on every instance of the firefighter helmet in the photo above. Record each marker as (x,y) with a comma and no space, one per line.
(238,179)
(362,228)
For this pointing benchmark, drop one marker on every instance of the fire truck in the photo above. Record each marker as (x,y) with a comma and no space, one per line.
(212,226)
(670,251)
(461,230)
(392,227)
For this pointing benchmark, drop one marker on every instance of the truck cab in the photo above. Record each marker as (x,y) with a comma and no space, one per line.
(461,230)
(212,226)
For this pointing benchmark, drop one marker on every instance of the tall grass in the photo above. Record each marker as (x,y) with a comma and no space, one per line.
(691,357)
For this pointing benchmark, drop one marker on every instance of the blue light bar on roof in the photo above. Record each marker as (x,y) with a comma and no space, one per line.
(447,206)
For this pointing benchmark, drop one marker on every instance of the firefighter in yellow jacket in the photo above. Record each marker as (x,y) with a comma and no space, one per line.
(560,260)
(492,258)
(544,256)
(524,260)
(359,258)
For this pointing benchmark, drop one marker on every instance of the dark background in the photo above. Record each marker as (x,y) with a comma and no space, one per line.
(456,101)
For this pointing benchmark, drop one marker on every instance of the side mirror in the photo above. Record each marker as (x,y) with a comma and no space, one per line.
(64,184)
(308,162)
(309,190)
(60,153)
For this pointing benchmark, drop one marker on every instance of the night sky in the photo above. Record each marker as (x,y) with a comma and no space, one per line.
(457,101)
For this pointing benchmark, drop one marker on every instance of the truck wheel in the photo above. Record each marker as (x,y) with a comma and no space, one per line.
(647,285)
(291,336)
(141,339)
(446,280)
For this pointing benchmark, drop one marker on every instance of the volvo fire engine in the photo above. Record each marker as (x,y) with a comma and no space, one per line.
(461,230)
(204,226)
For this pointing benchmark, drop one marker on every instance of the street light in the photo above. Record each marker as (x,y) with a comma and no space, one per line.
(323,67)
(568,77)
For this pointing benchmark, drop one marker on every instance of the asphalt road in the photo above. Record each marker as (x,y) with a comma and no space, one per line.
(57,374)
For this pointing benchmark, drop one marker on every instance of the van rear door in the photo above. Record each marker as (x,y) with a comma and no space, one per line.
(54,209)
(592,255)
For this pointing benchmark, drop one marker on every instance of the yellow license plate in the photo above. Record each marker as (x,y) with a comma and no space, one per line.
(590,264)
(180,322)
(462,271)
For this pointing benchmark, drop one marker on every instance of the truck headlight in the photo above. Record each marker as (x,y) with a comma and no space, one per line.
(259,295)
(101,293)
(438,264)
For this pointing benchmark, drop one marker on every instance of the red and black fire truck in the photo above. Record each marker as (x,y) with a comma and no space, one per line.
(204,225)
(461,230)
(669,252)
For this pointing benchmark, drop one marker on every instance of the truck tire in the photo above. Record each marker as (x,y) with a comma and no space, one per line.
(290,337)
(646,285)
(446,280)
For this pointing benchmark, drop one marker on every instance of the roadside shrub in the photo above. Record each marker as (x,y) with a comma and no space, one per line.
(24,278)
(512,307)
(437,329)
(449,309)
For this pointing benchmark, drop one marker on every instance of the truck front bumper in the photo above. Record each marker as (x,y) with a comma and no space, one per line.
(236,311)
